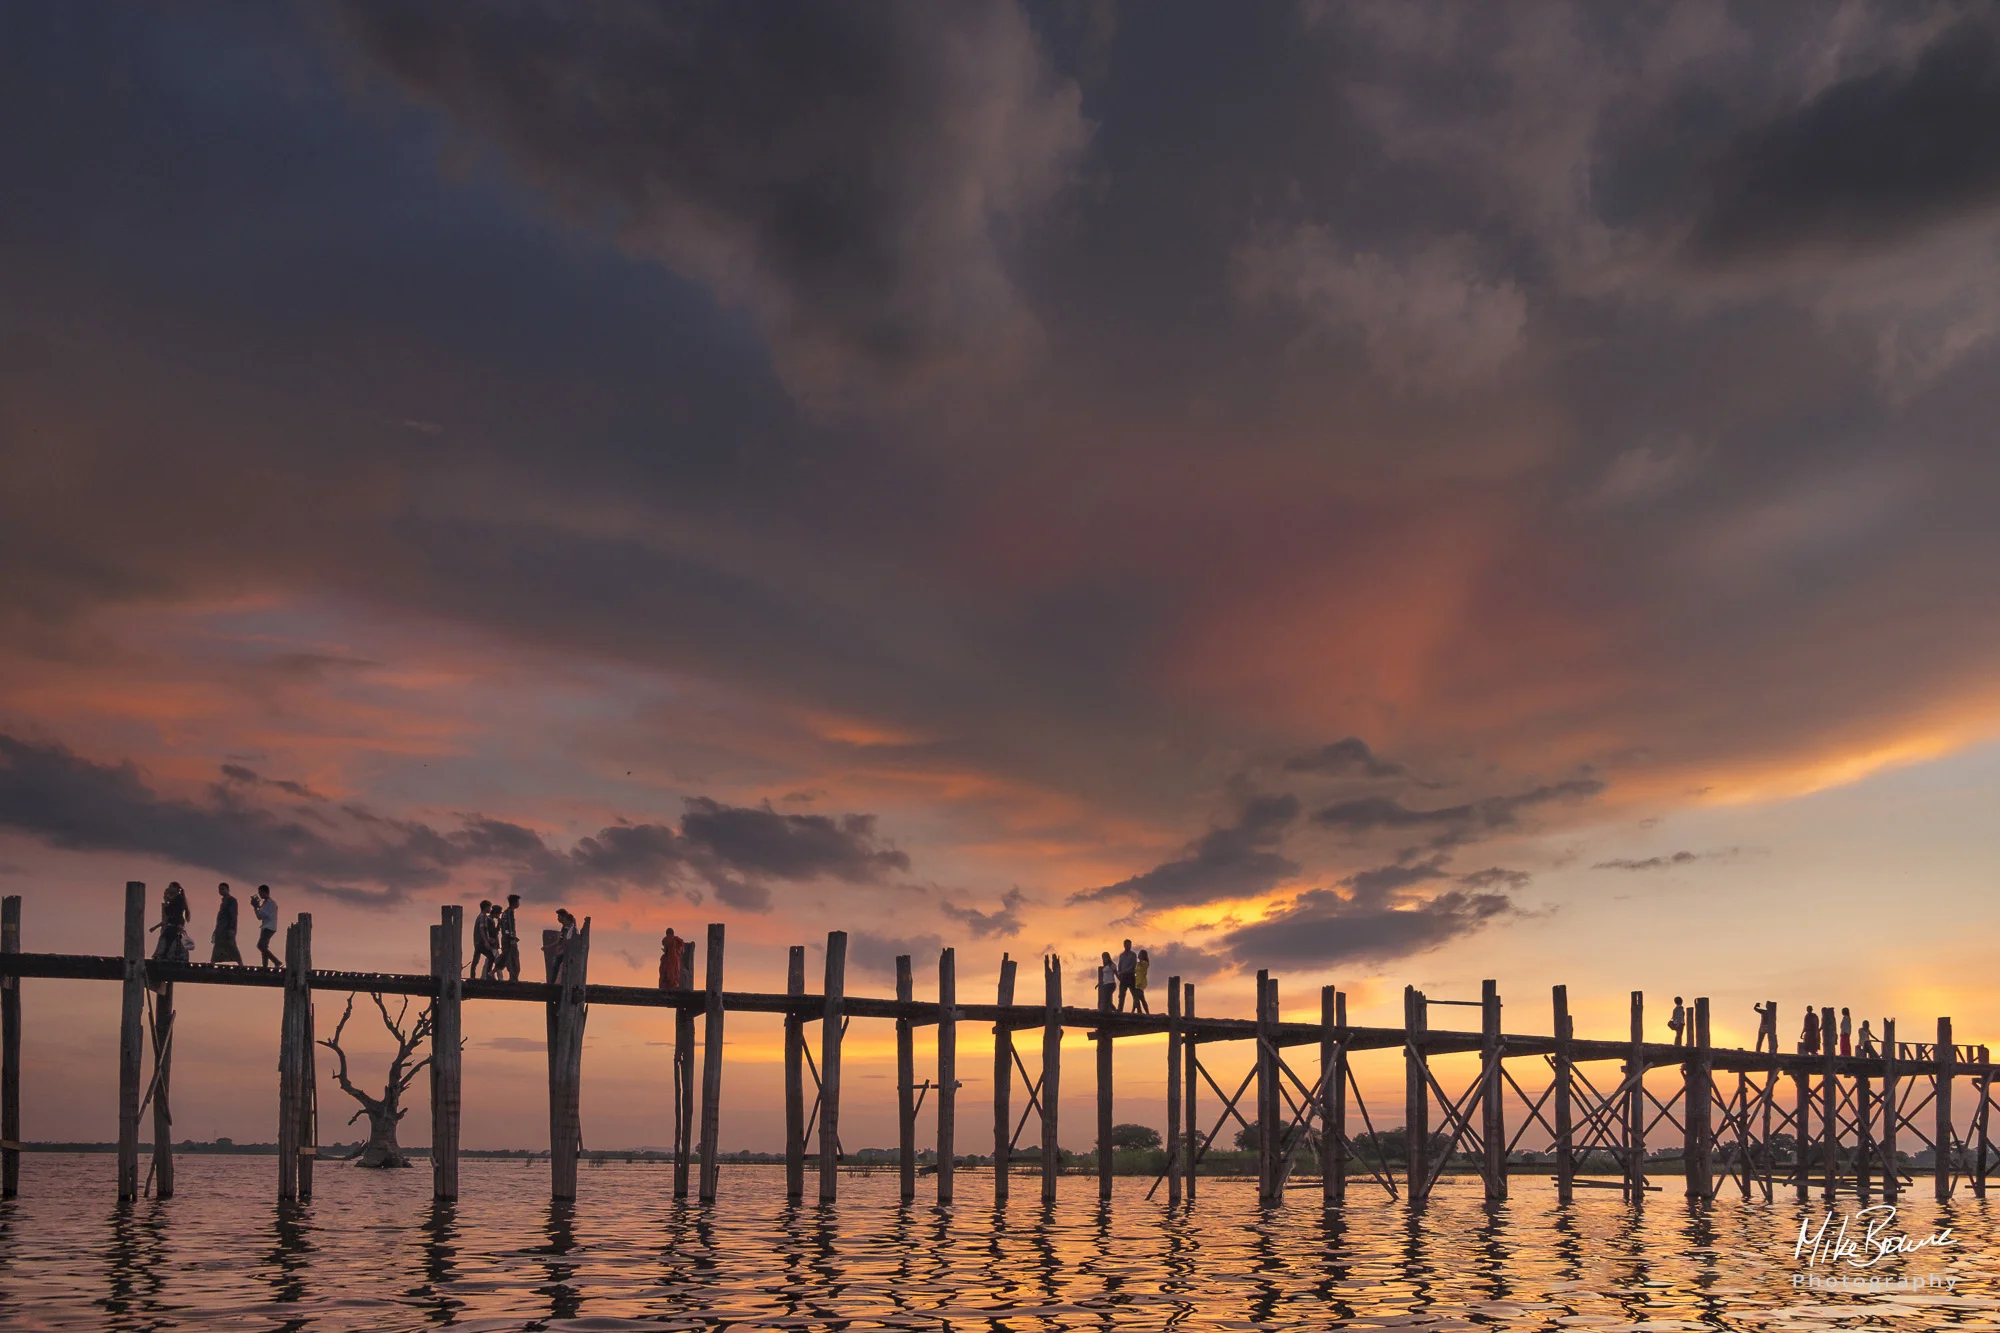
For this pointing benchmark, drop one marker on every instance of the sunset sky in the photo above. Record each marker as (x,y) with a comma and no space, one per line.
(1394,494)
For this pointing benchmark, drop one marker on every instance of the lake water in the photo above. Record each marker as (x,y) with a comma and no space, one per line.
(371,1253)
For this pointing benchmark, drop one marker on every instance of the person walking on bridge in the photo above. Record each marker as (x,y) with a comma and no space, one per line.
(510,941)
(222,942)
(174,913)
(1846,1033)
(1767,1025)
(1128,967)
(1678,1020)
(266,908)
(1139,971)
(485,940)
(673,952)
(1107,977)
(1809,1035)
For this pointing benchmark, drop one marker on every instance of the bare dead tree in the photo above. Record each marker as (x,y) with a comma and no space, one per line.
(385,1112)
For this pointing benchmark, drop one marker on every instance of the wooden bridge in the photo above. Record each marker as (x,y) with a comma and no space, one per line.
(1847,1115)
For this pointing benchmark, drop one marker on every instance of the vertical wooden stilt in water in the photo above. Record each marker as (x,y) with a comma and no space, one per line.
(1051,1072)
(1416,1092)
(1189,1077)
(1003,1081)
(1829,1103)
(1802,1088)
(795,1080)
(1269,1122)
(711,1064)
(1947,1138)
(683,1079)
(1892,1170)
(1980,1121)
(947,1045)
(1635,1104)
(308,1103)
(447,953)
(1332,1096)
(1174,1145)
(1104,1109)
(1697,1104)
(906,1079)
(10,1053)
(132,1008)
(1565,1135)
(1493,1117)
(1864,1144)
(163,1067)
(829,1065)
(566,1060)
(291,1071)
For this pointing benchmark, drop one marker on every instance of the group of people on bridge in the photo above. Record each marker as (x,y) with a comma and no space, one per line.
(176,943)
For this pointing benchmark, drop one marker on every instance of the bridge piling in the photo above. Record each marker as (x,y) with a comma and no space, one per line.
(906,1091)
(795,1078)
(1416,1093)
(447,1047)
(1051,1073)
(1892,1170)
(1493,1123)
(570,973)
(10,1052)
(1174,1146)
(947,1060)
(1003,1083)
(1104,1108)
(1333,1096)
(711,1062)
(683,1077)
(1188,1090)
(1946,1058)
(1699,1081)
(829,1065)
(131,1008)
(1635,1104)
(1565,1078)
(163,1116)
(1269,1121)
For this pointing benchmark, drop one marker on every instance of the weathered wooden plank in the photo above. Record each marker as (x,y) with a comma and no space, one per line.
(1492,1107)
(566,1060)
(1333,1097)
(1269,1126)
(1416,1092)
(831,1020)
(1635,1103)
(711,1064)
(1565,1087)
(1698,1137)
(130,1052)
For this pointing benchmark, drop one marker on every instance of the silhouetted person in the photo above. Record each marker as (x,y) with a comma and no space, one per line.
(510,940)
(672,949)
(222,944)
(1809,1034)
(1846,1033)
(1867,1046)
(1767,1025)
(174,944)
(1678,1020)
(485,939)
(1128,967)
(1139,971)
(266,908)
(565,934)
(1107,977)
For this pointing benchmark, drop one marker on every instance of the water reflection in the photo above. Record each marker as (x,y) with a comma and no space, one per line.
(373,1253)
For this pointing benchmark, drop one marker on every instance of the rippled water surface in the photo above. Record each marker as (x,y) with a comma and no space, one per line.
(372,1253)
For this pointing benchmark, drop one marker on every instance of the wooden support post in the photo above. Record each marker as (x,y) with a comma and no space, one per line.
(1697,1107)
(1802,1090)
(1946,1135)
(906,1091)
(10,1052)
(447,954)
(1864,1145)
(795,1080)
(1985,1077)
(1635,1104)
(566,1057)
(294,1184)
(1003,1081)
(831,1019)
(711,1064)
(308,1103)
(1892,1168)
(163,1068)
(1416,1092)
(1493,1118)
(130,1053)
(947,1059)
(1332,1096)
(1189,1078)
(1051,1073)
(1269,1126)
(1565,1132)
(1829,1102)
(1174,1145)
(683,1079)
(1104,1110)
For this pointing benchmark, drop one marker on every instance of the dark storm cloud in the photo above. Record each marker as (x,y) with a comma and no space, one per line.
(1323,928)
(1003,921)
(1189,962)
(1370,813)
(350,852)
(1385,880)
(847,171)
(1346,756)
(1231,862)
(1870,159)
